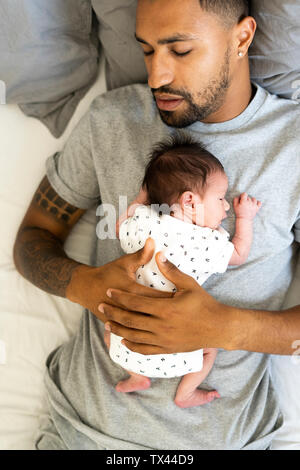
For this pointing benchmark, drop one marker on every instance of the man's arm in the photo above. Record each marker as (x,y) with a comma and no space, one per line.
(206,323)
(40,257)
(38,252)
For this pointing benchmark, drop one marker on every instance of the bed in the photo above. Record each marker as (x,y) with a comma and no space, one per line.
(33,323)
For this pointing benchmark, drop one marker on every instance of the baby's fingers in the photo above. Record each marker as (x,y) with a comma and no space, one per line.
(236,201)
(244,197)
(256,202)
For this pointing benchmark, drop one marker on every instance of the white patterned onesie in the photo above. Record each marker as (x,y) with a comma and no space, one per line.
(196,251)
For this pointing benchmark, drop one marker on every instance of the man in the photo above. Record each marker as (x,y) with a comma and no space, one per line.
(196,57)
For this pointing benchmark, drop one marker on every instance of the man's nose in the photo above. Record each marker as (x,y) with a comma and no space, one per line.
(159,72)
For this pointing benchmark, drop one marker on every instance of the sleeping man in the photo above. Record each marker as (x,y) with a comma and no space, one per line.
(196,54)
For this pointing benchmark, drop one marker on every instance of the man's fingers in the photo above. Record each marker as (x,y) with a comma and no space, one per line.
(142,256)
(107,339)
(142,348)
(139,289)
(136,303)
(123,317)
(172,273)
(134,336)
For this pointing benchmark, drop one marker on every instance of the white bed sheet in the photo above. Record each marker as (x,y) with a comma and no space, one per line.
(32,323)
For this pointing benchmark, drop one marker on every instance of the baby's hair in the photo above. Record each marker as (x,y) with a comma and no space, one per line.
(176,165)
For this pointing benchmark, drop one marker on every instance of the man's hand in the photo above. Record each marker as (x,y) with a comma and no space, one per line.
(88,285)
(191,319)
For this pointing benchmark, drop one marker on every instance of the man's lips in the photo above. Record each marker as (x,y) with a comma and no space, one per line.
(168,102)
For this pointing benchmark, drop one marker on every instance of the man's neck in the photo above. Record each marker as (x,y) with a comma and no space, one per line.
(238,98)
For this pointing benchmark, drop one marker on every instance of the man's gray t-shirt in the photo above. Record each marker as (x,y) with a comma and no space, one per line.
(106,157)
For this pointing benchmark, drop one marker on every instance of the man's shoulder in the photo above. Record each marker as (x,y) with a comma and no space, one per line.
(282,108)
(277,119)
(127,99)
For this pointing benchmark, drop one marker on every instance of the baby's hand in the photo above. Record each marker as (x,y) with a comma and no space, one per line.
(246,207)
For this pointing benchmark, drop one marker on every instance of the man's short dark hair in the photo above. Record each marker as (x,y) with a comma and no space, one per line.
(176,165)
(231,11)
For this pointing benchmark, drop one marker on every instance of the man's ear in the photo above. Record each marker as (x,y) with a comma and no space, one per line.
(245,31)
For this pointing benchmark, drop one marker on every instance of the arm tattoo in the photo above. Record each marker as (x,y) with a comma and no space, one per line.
(39,254)
(44,262)
(50,201)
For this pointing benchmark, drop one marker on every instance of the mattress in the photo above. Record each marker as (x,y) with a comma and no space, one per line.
(33,323)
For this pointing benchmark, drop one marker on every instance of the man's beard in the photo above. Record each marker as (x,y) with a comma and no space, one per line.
(212,97)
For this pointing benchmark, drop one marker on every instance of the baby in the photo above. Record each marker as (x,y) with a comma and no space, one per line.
(185,188)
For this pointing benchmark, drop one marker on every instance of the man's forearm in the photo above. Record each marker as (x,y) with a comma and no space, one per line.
(40,258)
(265,331)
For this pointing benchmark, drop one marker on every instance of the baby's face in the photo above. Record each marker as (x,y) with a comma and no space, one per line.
(208,210)
(213,204)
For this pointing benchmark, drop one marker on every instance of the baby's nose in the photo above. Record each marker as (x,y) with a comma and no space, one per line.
(226,206)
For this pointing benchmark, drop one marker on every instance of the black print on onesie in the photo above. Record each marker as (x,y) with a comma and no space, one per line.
(197,252)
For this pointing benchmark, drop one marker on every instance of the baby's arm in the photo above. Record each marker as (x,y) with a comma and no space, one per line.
(245,209)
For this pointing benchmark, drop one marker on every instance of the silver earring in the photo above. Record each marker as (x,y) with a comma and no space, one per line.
(240,54)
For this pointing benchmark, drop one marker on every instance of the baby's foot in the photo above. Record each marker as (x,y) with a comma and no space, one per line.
(196,398)
(133,384)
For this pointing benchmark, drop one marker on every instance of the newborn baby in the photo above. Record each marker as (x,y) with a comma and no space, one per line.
(185,188)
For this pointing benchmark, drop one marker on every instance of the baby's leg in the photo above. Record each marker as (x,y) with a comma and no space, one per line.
(135,382)
(188,394)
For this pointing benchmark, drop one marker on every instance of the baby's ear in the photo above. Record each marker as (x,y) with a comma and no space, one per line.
(186,199)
